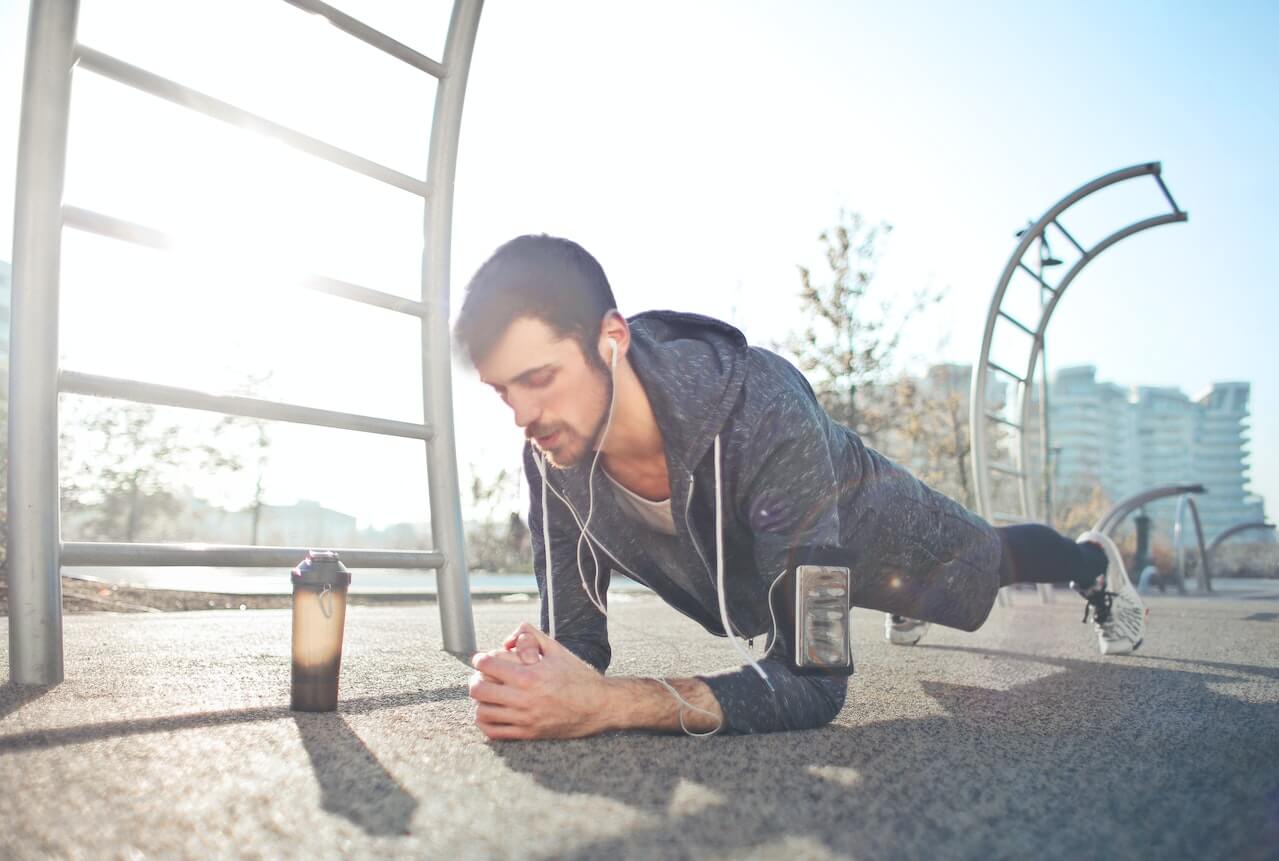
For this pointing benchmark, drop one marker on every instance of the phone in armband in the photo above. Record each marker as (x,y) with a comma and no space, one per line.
(812,605)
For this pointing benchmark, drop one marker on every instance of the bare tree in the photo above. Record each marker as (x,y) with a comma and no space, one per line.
(247,446)
(849,344)
(124,466)
(118,464)
(932,433)
(494,542)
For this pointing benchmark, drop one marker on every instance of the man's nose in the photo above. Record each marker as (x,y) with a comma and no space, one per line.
(526,410)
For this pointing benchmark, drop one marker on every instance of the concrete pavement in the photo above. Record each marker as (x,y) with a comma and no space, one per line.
(172,738)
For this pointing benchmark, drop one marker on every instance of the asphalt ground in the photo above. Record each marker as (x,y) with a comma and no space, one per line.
(171,738)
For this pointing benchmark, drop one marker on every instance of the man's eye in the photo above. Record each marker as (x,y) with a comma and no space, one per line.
(541,380)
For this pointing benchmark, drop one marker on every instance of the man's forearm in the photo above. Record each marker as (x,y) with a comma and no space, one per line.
(640,703)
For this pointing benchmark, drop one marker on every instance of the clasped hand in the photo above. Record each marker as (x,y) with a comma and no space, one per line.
(533,687)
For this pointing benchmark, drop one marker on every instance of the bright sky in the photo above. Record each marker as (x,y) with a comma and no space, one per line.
(697,149)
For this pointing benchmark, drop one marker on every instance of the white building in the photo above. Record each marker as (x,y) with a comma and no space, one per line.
(1126,440)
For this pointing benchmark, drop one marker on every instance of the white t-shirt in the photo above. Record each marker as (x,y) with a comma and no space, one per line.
(655,515)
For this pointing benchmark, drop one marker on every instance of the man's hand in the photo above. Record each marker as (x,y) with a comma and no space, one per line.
(535,688)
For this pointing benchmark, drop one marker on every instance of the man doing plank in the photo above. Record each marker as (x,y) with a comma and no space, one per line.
(665,448)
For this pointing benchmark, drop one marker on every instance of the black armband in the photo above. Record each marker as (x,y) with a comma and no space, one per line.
(810,602)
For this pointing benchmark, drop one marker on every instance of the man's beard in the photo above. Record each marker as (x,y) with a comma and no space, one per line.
(596,437)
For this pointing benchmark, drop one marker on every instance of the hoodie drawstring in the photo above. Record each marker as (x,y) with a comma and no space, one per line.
(719,569)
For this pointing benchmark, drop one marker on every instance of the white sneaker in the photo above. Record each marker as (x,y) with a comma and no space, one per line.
(1119,617)
(901,631)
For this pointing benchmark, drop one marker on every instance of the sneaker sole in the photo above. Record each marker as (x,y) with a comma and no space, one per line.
(1135,647)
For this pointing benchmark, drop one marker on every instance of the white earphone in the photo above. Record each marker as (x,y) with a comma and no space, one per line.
(612,345)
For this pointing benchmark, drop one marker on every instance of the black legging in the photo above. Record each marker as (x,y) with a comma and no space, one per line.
(1034,553)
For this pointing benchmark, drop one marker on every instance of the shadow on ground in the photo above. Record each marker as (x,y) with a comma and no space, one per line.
(14,697)
(353,782)
(988,777)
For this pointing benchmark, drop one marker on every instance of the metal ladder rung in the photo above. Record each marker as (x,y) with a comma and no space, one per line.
(1004,370)
(1006,469)
(1050,288)
(235,555)
(1019,324)
(1167,194)
(1070,238)
(163,88)
(1004,421)
(369,36)
(138,234)
(76,383)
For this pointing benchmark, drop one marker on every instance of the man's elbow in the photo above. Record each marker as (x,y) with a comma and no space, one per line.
(829,702)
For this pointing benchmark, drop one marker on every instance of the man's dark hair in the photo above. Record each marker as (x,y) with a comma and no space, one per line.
(543,277)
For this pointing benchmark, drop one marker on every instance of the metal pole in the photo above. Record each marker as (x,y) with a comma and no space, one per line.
(1045,589)
(1044,433)
(1204,573)
(35,588)
(456,621)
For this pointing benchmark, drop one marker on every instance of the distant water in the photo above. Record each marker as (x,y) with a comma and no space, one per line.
(275,581)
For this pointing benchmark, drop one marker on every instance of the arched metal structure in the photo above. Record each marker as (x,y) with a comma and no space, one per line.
(1235,530)
(982,411)
(1111,520)
(36,551)
(1187,502)
(980,407)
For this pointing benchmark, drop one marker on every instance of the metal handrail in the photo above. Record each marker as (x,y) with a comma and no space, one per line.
(107,553)
(1186,501)
(77,383)
(163,88)
(148,237)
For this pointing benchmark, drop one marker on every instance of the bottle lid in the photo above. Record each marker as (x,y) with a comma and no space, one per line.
(321,568)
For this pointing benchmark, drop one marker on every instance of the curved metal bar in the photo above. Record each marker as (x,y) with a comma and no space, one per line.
(1110,521)
(1205,575)
(978,405)
(452,582)
(1046,315)
(1235,530)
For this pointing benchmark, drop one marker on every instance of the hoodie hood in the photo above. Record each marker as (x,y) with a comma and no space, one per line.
(692,369)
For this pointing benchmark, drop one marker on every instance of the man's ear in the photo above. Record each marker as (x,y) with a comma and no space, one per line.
(615,335)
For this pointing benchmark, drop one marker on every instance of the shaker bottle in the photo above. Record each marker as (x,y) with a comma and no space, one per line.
(319,611)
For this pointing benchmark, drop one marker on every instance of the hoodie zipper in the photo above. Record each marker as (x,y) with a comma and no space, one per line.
(688,524)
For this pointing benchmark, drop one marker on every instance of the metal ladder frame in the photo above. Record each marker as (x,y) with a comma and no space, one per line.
(36,551)
(981,411)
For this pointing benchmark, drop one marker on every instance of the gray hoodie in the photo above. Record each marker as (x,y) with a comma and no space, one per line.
(791,477)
